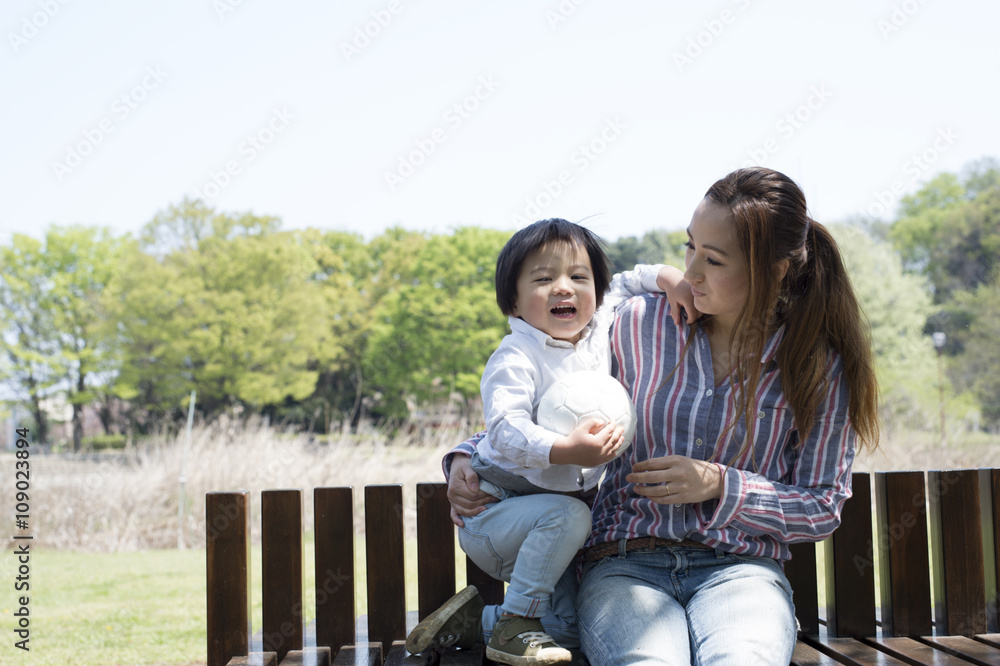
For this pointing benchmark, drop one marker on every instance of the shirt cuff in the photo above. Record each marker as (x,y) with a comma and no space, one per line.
(467,448)
(732,500)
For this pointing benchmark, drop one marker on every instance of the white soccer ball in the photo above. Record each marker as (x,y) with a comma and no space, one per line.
(582,395)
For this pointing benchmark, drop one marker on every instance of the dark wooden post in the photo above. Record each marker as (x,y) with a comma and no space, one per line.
(435,548)
(227,529)
(957,547)
(384,557)
(902,541)
(801,574)
(850,567)
(993,522)
(335,578)
(281,559)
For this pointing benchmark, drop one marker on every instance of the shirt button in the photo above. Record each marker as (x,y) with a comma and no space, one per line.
(760,414)
(709,393)
(698,441)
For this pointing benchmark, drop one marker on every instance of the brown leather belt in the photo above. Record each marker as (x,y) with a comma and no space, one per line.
(611,548)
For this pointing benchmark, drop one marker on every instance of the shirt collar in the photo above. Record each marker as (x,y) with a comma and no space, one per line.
(771,346)
(518,325)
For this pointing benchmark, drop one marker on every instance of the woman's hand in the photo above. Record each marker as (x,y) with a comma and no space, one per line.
(463,491)
(678,291)
(676,480)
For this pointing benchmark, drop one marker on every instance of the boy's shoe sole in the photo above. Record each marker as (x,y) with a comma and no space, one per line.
(425,634)
(504,658)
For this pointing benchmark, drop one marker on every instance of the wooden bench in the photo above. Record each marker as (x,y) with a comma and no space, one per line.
(924,536)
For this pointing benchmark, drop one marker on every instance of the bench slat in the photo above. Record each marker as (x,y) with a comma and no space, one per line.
(384,557)
(227,562)
(435,548)
(806,655)
(850,580)
(967,648)
(310,656)
(362,654)
(255,659)
(281,571)
(851,651)
(333,510)
(901,511)
(398,656)
(909,648)
(957,548)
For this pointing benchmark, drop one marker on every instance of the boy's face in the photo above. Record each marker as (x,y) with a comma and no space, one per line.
(555,291)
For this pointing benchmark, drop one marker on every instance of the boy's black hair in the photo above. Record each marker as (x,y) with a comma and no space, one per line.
(537,235)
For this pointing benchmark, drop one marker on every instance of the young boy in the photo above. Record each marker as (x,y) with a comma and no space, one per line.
(553,281)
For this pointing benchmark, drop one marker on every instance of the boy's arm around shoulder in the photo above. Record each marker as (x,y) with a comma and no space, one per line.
(654,278)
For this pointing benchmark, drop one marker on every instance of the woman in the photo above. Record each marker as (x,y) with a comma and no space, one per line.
(748,422)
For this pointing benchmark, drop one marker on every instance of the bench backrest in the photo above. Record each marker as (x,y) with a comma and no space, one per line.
(940,523)
(918,523)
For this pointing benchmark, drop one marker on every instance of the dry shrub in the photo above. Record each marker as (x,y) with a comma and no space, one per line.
(130,501)
(923,450)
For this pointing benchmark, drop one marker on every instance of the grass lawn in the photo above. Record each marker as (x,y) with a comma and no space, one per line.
(120,608)
(144,607)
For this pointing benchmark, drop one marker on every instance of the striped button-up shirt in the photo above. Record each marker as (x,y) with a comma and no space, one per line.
(776,492)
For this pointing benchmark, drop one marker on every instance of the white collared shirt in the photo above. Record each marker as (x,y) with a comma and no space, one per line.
(525,364)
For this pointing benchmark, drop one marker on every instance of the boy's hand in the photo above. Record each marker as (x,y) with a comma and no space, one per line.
(591,443)
(678,291)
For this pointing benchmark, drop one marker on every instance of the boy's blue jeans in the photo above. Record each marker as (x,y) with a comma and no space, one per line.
(530,541)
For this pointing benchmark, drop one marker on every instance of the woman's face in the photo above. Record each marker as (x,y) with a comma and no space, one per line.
(716,268)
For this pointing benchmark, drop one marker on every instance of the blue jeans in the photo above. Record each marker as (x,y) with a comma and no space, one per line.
(685,606)
(530,541)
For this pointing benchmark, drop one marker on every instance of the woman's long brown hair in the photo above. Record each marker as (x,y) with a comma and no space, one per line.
(814,300)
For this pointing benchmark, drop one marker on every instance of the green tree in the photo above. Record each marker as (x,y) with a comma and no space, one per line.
(346,275)
(54,337)
(435,328)
(655,247)
(982,352)
(949,230)
(222,304)
(896,304)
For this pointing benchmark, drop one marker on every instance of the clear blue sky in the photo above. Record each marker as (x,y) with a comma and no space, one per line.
(433,114)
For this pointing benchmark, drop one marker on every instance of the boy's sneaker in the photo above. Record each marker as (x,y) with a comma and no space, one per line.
(520,640)
(458,623)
